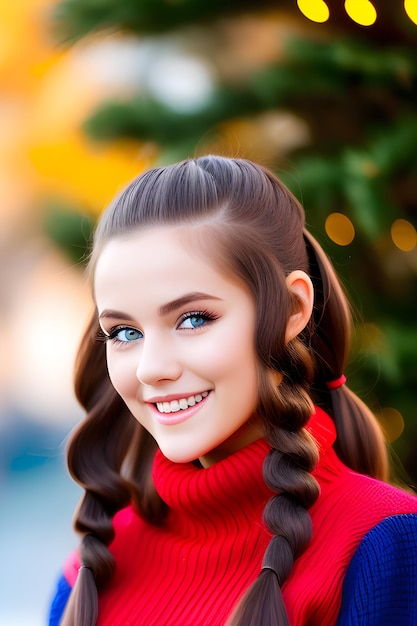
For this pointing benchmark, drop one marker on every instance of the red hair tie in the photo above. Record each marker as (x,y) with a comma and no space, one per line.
(335,384)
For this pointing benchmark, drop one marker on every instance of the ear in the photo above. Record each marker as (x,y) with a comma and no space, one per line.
(299,283)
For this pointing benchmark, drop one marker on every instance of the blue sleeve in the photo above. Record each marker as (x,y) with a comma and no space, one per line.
(380,586)
(59,602)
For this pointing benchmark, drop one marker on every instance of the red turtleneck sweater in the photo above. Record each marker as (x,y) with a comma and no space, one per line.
(193,569)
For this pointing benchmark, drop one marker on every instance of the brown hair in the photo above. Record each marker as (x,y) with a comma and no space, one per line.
(259,233)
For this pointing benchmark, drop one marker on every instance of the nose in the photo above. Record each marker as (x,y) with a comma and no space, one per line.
(158,361)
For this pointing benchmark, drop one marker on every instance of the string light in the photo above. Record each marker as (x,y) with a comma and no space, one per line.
(362,12)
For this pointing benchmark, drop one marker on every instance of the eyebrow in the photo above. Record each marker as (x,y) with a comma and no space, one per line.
(164,309)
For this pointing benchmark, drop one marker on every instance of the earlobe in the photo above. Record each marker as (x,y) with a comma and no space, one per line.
(299,283)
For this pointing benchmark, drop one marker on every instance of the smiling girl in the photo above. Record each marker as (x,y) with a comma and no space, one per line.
(230,475)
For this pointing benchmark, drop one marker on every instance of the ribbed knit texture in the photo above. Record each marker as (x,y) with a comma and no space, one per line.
(192,570)
(380,586)
(209,550)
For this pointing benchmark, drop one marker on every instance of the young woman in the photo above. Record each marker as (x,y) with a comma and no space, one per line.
(230,475)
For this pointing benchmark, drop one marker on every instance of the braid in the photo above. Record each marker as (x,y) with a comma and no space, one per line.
(105,493)
(287,472)
(107,441)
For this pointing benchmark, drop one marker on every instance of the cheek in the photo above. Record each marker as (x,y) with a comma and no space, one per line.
(231,358)
(122,372)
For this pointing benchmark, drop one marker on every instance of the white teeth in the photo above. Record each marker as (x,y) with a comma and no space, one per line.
(180,405)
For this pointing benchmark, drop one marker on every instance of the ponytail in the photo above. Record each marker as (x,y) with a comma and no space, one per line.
(360,443)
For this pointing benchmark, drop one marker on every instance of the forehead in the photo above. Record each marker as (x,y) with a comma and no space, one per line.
(147,249)
(165,258)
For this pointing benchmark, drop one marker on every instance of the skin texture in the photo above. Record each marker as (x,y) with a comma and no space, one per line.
(201,343)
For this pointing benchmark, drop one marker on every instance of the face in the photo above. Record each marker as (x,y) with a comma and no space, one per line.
(180,343)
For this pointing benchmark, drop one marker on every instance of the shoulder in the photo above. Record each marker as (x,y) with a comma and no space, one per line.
(380,586)
(121,522)
(60,599)
(64,587)
(350,505)
(380,497)
(390,543)
(71,566)
(360,497)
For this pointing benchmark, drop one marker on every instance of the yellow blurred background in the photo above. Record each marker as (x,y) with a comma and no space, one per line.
(46,93)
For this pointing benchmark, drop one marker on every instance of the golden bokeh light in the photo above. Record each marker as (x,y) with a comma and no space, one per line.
(410,7)
(314,10)
(404,235)
(361,11)
(392,423)
(340,229)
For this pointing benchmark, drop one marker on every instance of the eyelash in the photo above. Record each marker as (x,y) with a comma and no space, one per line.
(101,335)
(112,334)
(208,317)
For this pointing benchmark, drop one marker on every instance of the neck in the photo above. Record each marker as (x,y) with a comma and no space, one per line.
(248,433)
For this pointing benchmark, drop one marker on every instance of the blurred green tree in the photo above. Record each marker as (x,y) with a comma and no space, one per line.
(332,108)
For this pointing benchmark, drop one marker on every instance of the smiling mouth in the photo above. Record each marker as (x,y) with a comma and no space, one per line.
(180,405)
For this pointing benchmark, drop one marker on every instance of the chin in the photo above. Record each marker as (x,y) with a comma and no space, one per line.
(179,456)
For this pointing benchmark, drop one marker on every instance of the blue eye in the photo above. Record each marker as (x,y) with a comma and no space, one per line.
(195,319)
(125,335)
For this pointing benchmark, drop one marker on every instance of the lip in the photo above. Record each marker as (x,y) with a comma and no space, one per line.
(173,396)
(171,419)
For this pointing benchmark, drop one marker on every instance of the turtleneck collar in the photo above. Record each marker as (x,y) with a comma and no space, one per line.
(323,430)
(186,486)
(239,477)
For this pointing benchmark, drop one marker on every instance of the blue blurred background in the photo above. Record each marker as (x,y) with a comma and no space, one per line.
(38,499)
